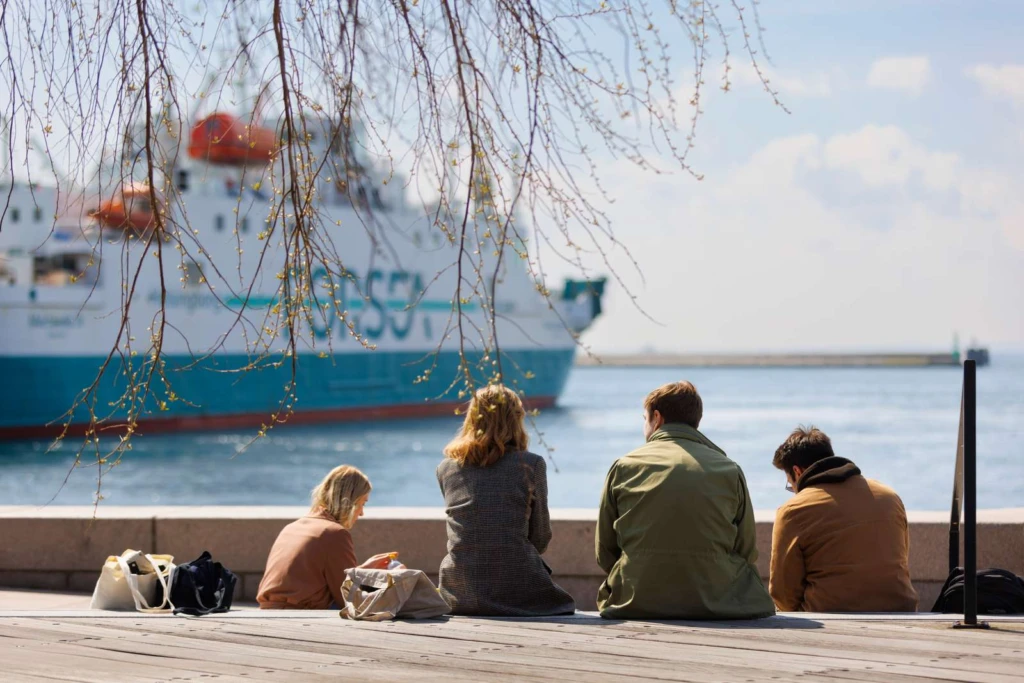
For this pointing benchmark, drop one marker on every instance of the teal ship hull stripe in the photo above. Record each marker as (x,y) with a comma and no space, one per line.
(218,393)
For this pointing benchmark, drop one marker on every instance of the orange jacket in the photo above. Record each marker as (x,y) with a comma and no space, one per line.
(307,564)
(841,544)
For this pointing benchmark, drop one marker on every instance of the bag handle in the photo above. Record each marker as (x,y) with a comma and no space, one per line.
(349,609)
(164,582)
(367,601)
(203,609)
(131,580)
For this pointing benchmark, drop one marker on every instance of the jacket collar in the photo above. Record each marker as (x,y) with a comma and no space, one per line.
(322,513)
(831,470)
(677,430)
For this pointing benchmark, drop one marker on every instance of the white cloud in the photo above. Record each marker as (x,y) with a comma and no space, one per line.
(908,74)
(1003,82)
(867,239)
(817,84)
(886,155)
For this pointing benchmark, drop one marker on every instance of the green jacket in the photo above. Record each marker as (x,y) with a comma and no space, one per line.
(676,534)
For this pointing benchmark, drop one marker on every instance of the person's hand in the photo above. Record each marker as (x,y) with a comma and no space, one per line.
(379,561)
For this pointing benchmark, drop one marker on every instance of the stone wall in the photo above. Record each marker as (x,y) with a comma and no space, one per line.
(63,547)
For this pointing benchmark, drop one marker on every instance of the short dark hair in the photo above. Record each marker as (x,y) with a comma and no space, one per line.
(677,402)
(804,447)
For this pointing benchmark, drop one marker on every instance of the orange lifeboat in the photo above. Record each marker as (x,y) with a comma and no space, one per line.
(224,139)
(130,207)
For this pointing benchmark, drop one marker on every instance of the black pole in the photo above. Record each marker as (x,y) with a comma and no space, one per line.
(970,496)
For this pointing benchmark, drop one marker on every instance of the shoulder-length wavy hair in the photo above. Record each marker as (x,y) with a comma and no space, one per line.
(338,493)
(493,427)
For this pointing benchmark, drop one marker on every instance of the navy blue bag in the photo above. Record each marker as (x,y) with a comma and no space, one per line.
(202,586)
(999,592)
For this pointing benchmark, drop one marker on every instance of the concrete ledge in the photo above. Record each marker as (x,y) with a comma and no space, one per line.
(60,548)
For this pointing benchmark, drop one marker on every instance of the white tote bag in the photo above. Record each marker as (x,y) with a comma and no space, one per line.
(121,588)
(380,594)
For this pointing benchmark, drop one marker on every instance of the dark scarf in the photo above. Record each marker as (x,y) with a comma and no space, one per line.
(831,470)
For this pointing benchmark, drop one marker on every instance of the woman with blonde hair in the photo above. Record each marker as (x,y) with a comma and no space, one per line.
(307,563)
(496,499)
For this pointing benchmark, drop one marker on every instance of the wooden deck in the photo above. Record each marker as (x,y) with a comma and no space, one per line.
(250,645)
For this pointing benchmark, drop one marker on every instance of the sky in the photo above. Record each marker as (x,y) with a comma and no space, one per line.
(885,212)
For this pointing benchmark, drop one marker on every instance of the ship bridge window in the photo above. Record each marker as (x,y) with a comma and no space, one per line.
(15,215)
(183,181)
(245,224)
(193,274)
(218,223)
(37,214)
(138,204)
(66,269)
(8,275)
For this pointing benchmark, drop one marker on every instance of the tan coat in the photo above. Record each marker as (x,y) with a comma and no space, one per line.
(841,544)
(307,565)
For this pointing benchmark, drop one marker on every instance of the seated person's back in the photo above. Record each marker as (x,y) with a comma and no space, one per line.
(496,502)
(676,532)
(307,563)
(841,543)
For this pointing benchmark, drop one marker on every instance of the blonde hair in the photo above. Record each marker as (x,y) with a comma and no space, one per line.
(338,493)
(493,426)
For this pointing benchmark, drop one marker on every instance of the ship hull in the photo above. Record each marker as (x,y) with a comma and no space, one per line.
(218,394)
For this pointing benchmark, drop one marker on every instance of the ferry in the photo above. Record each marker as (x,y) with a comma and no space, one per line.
(389,348)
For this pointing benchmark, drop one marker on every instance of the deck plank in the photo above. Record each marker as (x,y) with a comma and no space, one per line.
(599,651)
(304,647)
(498,655)
(852,645)
(485,657)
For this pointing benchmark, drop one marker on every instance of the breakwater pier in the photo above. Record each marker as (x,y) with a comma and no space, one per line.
(771,360)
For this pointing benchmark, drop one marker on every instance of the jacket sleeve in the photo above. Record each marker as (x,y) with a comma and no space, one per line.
(606,541)
(786,581)
(901,511)
(746,527)
(540,519)
(341,555)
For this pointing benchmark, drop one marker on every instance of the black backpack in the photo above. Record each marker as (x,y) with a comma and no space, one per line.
(999,592)
(202,586)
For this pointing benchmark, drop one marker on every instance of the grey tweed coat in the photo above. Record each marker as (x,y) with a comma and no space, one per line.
(498,526)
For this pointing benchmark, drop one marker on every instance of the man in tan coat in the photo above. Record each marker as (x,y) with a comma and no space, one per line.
(841,543)
(675,533)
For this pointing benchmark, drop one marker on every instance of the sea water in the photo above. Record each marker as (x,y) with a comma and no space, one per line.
(898,424)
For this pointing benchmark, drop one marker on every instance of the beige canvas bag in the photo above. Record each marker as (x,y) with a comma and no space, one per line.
(381,594)
(118,588)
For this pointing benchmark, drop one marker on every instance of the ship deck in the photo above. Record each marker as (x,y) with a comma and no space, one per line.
(289,646)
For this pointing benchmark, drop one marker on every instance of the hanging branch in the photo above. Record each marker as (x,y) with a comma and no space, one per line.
(492,118)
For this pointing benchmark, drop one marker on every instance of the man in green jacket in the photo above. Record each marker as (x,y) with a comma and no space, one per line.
(675,533)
